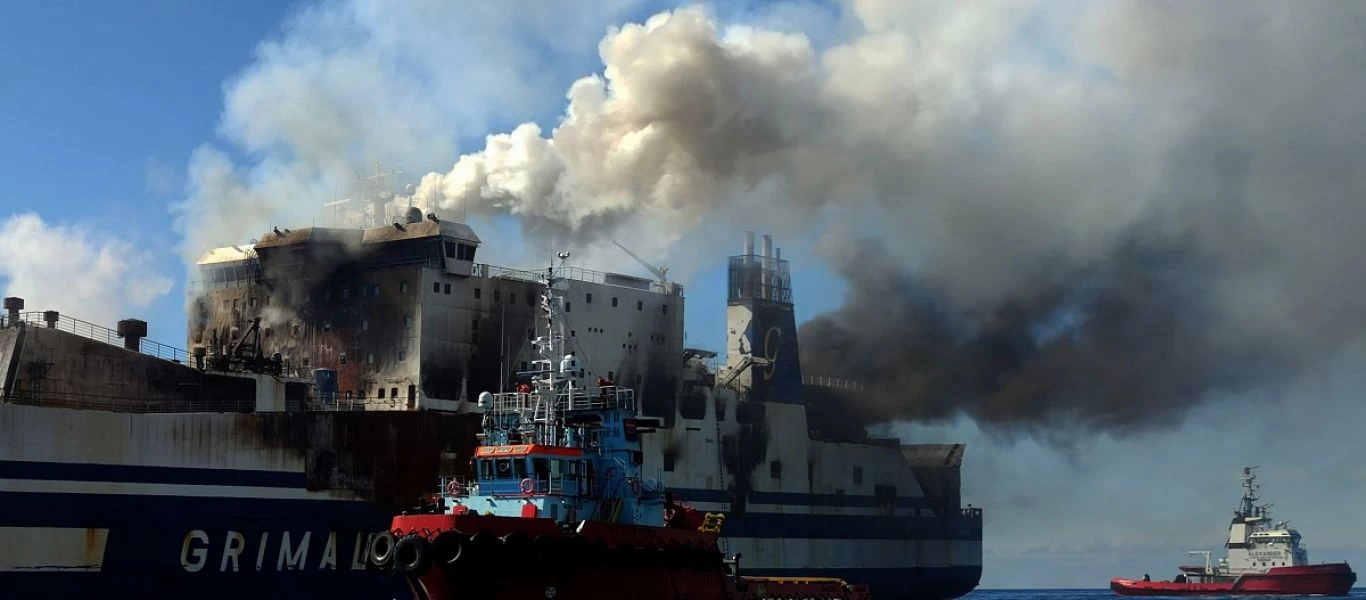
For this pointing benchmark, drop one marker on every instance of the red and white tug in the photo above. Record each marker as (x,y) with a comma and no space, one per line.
(1262,559)
(560,509)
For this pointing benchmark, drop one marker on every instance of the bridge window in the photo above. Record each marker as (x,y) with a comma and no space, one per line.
(476,293)
(640,305)
(448,289)
(497,295)
(588,298)
(614,301)
(775,470)
(436,287)
(858,475)
(504,470)
(541,466)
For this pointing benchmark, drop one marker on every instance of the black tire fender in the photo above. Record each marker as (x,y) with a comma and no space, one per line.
(412,555)
(380,555)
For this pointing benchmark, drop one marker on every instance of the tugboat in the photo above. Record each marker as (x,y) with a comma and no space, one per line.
(1262,559)
(559,505)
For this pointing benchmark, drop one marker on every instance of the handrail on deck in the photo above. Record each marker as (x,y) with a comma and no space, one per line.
(98,333)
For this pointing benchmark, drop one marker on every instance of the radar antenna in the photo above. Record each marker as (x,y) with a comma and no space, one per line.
(658,271)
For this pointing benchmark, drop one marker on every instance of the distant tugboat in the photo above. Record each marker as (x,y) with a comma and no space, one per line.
(1262,559)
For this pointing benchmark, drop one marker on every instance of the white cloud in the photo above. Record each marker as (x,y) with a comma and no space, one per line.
(76,270)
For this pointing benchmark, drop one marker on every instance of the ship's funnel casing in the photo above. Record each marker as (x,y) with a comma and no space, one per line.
(762,325)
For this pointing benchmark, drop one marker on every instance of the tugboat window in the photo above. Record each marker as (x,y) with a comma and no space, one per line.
(504,468)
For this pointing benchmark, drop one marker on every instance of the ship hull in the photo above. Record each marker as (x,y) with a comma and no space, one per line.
(173,505)
(1315,580)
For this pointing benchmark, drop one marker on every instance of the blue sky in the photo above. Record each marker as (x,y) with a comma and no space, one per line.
(102,95)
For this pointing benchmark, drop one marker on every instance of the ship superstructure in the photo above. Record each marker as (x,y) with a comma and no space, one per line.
(333,375)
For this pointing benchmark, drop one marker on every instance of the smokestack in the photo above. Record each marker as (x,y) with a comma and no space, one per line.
(777,254)
(132,331)
(749,245)
(50,317)
(14,304)
(765,268)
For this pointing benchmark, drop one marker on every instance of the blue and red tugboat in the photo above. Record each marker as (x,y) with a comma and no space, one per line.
(559,506)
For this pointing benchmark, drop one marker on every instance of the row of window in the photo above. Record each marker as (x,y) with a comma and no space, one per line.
(365,290)
(460,251)
(497,295)
(640,304)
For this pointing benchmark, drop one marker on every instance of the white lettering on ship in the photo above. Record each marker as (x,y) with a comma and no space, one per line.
(291,550)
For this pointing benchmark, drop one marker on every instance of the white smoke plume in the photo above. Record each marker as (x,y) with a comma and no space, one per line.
(76,271)
(1064,202)
(351,84)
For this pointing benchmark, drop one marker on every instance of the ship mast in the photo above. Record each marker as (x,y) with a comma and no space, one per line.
(547,386)
(1247,508)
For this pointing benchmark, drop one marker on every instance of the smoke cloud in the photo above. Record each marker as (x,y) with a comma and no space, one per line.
(1092,217)
(73,270)
(348,86)
(1049,217)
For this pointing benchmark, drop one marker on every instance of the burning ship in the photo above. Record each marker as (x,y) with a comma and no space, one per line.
(333,378)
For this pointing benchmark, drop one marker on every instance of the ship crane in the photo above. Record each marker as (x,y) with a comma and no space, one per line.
(658,271)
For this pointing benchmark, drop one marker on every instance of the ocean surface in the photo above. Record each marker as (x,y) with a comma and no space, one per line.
(1097,594)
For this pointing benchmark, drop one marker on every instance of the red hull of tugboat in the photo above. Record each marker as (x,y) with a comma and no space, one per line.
(509,558)
(1319,580)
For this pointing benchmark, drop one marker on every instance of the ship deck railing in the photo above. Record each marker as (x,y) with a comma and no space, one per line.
(594,398)
(324,402)
(834,383)
(668,288)
(542,484)
(98,333)
(972,513)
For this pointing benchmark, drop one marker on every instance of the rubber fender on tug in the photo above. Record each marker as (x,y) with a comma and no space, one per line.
(484,547)
(379,556)
(547,548)
(516,545)
(412,555)
(576,551)
(450,548)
